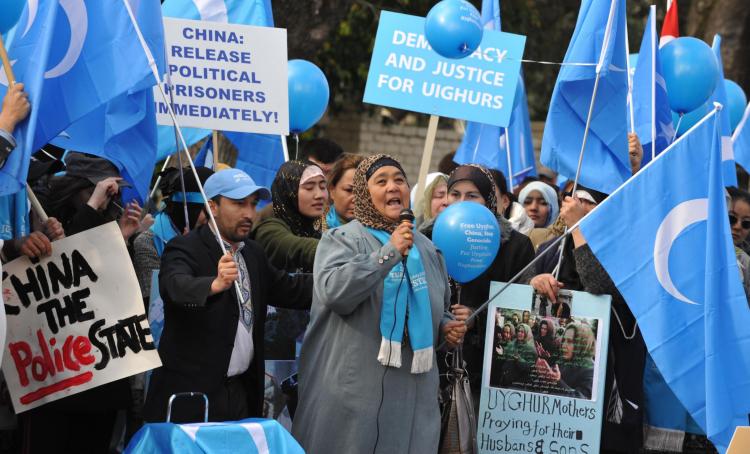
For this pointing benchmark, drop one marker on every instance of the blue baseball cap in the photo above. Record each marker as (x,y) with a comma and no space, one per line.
(233,184)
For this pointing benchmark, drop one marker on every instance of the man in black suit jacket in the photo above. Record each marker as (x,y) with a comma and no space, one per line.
(211,342)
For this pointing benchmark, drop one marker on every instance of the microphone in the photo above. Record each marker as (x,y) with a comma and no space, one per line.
(406,215)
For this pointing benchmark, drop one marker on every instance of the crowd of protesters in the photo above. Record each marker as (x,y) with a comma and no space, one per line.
(318,275)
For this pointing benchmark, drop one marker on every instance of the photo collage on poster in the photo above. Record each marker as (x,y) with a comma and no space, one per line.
(545,350)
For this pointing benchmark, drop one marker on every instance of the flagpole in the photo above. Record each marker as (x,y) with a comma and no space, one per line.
(630,81)
(652,27)
(510,161)
(424,166)
(285,147)
(152,64)
(215,143)
(179,161)
(607,36)
(557,240)
(35,205)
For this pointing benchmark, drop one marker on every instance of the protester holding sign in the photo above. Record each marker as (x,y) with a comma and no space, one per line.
(623,405)
(212,342)
(367,383)
(289,239)
(89,195)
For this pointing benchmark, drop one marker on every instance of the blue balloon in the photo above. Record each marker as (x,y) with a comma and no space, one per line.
(469,236)
(308,95)
(691,72)
(690,119)
(454,28)
(10,12)
(736,102)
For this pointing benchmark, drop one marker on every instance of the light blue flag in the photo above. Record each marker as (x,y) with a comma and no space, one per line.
(720,95)
(510,149)
(205,156)
(248,12)
(653,117)
(123,130)
(675,265)
(252,436)
(29,53)
(741,141)
(90,54)
(599,42)
(259,155)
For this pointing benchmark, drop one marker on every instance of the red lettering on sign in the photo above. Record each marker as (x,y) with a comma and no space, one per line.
(75,351)
(56,387)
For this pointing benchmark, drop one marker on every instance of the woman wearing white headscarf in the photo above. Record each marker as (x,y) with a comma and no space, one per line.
(540,201)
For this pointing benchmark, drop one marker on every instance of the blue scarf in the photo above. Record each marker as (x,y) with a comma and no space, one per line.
(163,231)
(398,293)
(332,218)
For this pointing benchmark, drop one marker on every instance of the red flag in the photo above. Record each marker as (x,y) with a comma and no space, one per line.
(670,29)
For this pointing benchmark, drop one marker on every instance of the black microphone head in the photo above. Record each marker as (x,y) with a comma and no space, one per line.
(406,215)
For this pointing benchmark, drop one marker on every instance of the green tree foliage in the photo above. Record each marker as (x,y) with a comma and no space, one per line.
(548,25)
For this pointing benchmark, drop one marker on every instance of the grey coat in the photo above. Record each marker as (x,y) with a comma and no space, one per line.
(340,376)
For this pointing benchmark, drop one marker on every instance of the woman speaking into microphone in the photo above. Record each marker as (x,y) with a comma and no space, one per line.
(368,373)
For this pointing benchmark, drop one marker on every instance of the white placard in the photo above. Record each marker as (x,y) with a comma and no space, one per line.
(76,319)
(225,77)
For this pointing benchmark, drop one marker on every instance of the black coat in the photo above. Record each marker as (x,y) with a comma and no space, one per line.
(199,330)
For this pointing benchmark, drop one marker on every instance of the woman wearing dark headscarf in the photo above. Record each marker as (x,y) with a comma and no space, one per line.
(367,383)
(290,238)
(573,376)
(475,183)
(169,223)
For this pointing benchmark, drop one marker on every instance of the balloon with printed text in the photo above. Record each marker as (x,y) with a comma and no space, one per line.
(308,95)
(10,12)
(453,28)
(468,235)
(736,102)
(691,72)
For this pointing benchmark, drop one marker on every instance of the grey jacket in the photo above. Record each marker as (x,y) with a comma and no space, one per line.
(340,376)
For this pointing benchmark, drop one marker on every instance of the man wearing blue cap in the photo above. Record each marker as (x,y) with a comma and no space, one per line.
(213,339)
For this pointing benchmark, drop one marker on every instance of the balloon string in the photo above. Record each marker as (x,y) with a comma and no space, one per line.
(296,150)
(677,128)
(542,62)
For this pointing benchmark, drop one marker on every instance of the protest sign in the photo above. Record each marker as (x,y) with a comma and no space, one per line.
(226,77)
(407,74)
(543,376)
(75,319)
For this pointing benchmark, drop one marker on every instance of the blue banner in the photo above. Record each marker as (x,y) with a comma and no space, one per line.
(407,74)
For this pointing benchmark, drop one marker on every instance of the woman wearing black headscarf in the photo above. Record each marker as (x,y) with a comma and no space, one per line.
(475,183)
(169,223)
(290,238)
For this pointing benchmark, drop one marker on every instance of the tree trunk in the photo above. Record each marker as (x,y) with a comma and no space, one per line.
(731,20)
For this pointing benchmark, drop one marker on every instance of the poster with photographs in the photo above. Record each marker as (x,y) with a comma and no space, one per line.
(543,376)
